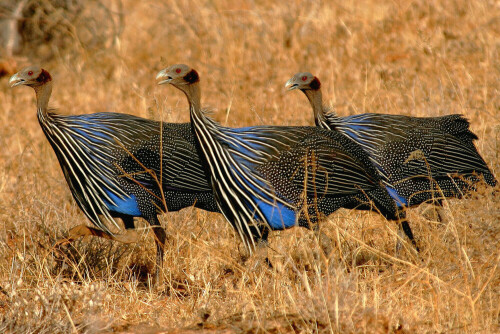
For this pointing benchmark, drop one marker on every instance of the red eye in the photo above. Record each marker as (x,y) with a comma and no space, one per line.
(178,70)
(304,78)
(30,73)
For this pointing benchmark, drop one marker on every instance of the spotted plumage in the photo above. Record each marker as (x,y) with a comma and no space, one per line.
(118,165)
(280,177)
(423,158)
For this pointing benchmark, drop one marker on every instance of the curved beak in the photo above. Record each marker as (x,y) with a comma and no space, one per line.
(162,77)
(291,85)
(15,80)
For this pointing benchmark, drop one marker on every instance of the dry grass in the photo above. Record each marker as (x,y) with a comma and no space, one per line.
(416,58)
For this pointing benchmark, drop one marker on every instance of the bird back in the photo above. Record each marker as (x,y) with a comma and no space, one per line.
(418,155)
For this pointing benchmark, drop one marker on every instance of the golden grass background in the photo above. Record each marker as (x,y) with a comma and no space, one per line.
(419,58)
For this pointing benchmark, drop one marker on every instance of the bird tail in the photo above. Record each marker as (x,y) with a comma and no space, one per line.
(459,126)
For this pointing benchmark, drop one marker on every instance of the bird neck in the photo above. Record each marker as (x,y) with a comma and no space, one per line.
(315,97)
(42,96)
(193,94)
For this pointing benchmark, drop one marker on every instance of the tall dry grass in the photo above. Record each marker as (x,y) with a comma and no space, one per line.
(420,58)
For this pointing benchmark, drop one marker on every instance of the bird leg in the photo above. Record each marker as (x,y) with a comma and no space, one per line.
(130,236)
(438,211)
(404,228)
(260,253)
(441,215)
(324,241)
(160,238)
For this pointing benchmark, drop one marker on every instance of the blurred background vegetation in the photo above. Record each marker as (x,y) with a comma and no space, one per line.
(411,57)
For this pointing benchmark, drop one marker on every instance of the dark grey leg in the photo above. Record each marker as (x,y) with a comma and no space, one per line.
(160,238)
(408,232)
(128,221)
(441,215)
(324,241)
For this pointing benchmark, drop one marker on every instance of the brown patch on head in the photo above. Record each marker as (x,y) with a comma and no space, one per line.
(192,77)
(315,84)
(44,77)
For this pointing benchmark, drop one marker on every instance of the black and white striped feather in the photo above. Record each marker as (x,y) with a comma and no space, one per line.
(114,166)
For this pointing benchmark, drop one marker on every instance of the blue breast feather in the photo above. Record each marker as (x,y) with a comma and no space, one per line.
(400,200)
(92,133)
(127,206)
(277,215)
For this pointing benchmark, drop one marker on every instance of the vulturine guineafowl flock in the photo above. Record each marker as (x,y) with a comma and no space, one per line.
(118,165)
(272,178)
(423,158)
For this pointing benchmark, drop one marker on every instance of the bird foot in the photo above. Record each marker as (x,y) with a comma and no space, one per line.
(400,243)
(325,243)
(259,259)
(436,213)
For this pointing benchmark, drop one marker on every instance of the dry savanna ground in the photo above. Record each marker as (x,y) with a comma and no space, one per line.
(419,58)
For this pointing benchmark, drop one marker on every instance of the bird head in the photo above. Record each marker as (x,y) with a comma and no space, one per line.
(177,75)
(31,76)
(303,81)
